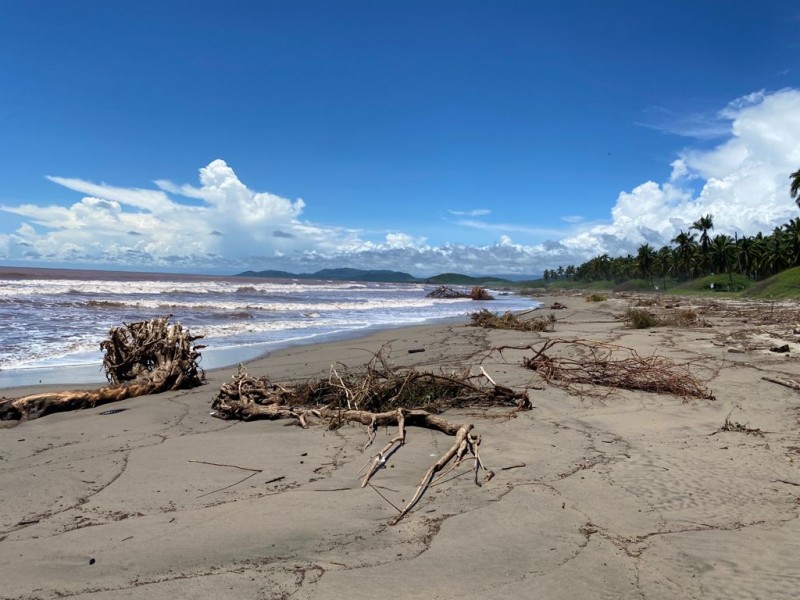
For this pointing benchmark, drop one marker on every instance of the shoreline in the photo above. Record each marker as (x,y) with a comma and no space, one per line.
(85,375)
(616,495)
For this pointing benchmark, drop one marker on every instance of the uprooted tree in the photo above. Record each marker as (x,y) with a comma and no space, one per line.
(476,293)
(376,395)
(146,357)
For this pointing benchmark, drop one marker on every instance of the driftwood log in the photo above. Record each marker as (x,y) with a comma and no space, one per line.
(375,396)
(146,357)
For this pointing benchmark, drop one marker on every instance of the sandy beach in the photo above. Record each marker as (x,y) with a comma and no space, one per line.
(623,495)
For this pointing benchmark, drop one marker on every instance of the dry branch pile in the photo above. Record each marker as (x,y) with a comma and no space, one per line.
(375,396)
(638,318)
(601,365)
(146,357)
(490,320)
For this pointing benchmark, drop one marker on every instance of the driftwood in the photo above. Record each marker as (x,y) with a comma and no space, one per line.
(146,357)
(784,382)
(375,396)
(599,364)
(476,293)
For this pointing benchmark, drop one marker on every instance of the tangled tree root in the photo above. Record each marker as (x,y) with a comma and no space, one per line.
(476,293)
(375,396)
(146,357)
(490,320)
(599,365)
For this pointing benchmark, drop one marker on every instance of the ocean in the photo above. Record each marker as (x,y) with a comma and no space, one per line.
(51,327)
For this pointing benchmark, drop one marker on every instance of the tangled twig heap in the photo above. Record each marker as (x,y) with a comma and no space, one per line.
(375,396)
(601,366)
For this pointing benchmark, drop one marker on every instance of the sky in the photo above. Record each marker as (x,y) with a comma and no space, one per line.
(477,137)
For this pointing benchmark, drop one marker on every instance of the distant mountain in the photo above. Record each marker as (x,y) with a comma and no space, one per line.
(337,274)
(458,279)
(269,274)
(389,276)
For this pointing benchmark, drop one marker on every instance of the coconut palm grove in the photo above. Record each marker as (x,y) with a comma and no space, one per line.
(697,253)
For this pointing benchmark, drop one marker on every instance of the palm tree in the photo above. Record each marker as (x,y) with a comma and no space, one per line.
(748,256)
(722,252)
(794,190)
(773,258)
(664,263)
(704,225)
(684,253)
(645,259)
(793,234)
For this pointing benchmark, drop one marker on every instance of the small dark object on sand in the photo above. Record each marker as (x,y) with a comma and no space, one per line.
(780,349)
(113,411)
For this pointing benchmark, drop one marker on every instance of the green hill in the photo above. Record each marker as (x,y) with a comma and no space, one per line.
(785,284)
(458,279)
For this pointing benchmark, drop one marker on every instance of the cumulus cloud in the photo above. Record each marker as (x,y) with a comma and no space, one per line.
(222,225)
(745,182)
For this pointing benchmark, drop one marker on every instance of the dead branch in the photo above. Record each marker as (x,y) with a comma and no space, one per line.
(374,396)
(599,364)
(146,357)
(784,382)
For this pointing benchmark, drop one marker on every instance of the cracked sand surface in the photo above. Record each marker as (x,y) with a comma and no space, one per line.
(628,496)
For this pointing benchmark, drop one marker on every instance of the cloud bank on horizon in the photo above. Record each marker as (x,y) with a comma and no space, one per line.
(222,225)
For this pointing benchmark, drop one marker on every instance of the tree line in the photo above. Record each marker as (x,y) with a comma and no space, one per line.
(695,253)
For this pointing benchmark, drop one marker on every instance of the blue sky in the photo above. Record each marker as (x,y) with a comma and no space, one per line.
(479,137)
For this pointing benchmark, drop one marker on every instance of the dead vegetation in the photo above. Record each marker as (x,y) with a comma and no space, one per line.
(376,395)
(596,298)
(141,358)
(592,364)
(639,318)
(738,427)
(447,293)
(509,321)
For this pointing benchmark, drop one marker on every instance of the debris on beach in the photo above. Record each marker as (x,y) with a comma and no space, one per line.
(141,358)
(509,321)
(738,427)
(639,318)
(447,293)
(600,364)
(376,395)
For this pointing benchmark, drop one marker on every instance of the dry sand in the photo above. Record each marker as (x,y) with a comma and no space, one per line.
(627,496)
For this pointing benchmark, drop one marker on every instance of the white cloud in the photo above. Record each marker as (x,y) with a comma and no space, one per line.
(746,182)
(504,228)
(477,212)
(743,181)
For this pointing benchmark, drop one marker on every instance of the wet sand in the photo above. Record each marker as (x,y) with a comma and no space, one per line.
(629,495)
